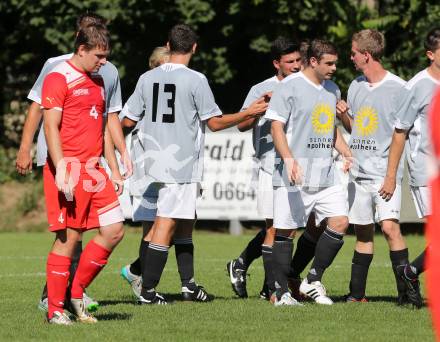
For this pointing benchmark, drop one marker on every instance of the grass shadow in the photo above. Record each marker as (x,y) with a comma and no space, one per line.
(379,299)
(114,317)
(116,302)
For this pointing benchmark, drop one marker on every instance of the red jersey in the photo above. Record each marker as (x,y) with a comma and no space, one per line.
(80,98)
(432,230)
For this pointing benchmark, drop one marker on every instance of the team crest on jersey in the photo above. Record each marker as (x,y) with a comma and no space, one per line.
(323,119)
(366,121)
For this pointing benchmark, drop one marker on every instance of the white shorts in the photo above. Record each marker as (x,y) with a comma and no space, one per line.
(422,198)
(265,195)
(366,206)
(171,200)
(292,208)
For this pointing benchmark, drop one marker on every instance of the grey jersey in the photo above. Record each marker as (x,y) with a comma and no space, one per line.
(112,88)
(373,108)
(413,116)
(172,102)
(261,137)
(308,112)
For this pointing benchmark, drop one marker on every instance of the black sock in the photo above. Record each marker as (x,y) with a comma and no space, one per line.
(304,253)
(359,272)
(399,258)
(44,293)
(418,264)
(327,248)
(269,280)
(75,260)
(282,255)
(143,248)
(153,263)
(73,266)
(185,261)
(252,250)
(135,266)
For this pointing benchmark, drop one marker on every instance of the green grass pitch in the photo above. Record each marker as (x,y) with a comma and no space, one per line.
(22,265)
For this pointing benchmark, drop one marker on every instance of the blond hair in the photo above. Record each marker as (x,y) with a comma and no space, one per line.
(159,56)
(371,41)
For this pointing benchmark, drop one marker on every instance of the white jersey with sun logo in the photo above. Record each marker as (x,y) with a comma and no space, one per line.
(373,107)
(323,119)
(415,102)
(308,112)
(366,121)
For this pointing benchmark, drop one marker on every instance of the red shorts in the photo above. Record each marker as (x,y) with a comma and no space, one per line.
(95,203)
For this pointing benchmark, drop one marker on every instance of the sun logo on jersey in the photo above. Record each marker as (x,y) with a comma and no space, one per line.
(322,119)
(366,121)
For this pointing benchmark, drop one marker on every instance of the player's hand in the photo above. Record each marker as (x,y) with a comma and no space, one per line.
(347,161)
(127,163)
(64,181)
(118,182)
(23,163)
(258,107)
(341,109)
(294,171)
(387,189)
(267,96)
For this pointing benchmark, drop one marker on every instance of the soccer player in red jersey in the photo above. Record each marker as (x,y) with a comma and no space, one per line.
(433,222)
(79,194)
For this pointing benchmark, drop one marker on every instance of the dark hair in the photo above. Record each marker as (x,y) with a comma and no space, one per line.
(432,41)
(93,36)
(318,47)
(303,47)
(89,18)
(282,46)
(181,39)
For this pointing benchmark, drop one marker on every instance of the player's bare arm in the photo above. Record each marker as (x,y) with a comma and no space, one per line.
(255,110)
(116,134)
(396,150)
(250,123)
(23,163)
(63,180)
(342,147)
(110,156)
(247,124)
(128,123)
(293,170)
(342,114)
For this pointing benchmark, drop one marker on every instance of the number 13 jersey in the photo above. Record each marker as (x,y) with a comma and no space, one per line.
(172,103)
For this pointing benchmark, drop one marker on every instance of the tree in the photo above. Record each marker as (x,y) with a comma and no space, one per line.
(235,36)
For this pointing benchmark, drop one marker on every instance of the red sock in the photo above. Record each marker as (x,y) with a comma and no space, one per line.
(57,277)
(93,259)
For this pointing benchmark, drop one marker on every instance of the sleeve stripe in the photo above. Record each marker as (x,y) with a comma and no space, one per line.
(400,125)
(271,115)
(130,116)
(114,109)
(49,108)
(215,113)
